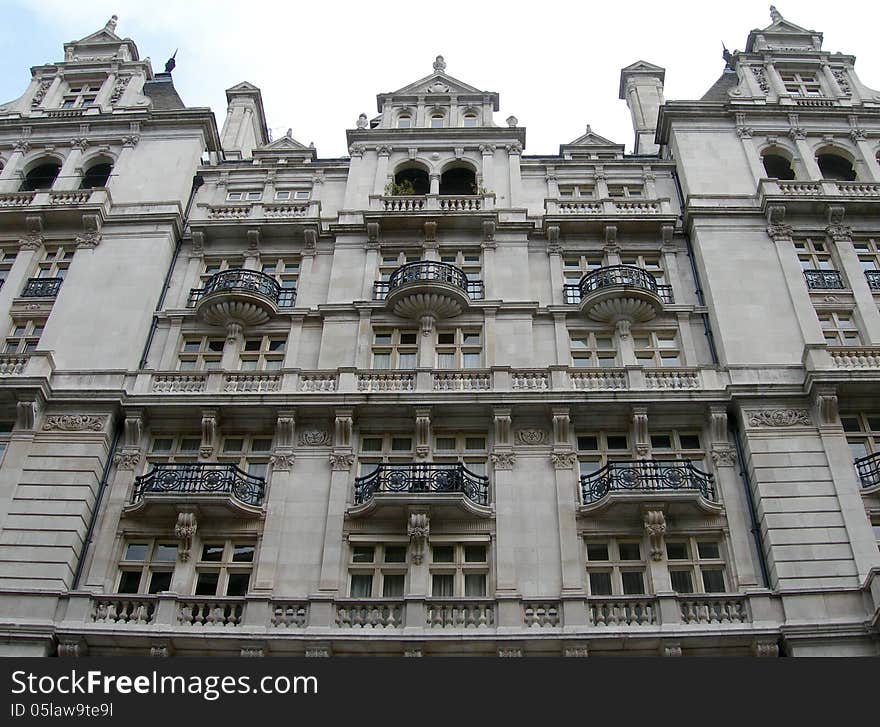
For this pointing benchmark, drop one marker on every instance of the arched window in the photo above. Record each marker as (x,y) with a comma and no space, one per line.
(777,166)
(96,176)
(436,121)
(836,168)
(458,180)
(469,119)
(412,180)
(41,177)
(404,121)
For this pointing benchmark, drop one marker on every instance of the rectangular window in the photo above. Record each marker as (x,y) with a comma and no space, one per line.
(377,570)
(200,353)
(218,265)
(285,270)
(468,449)
(678,444)
(626,191)
(24,335)
(224,568)
(56,260)
(615,567)
(596,449)
(813,254)
(459,348)
(576,191)
(265,353)
(470,262)
(147,566)
(7,258)
(81,95)
(592,349)
(696,565)
(801,83)
(459,570)
(839,328)
(283,195)
(392,448)
(395,348)
(390,260)
(249,452)
(862,433)
(657,348)
(244,196)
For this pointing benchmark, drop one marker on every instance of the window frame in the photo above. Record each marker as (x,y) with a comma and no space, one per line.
(696,563)
(615,566)
(459,349)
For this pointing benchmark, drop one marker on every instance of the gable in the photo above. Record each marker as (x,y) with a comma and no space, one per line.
(591,138)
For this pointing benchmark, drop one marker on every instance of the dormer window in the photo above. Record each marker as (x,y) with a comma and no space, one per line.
(404,121)
(436,121)
(801,84)
(469,120)
(81,95)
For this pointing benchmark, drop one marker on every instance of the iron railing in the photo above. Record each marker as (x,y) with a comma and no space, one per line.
(201,478)
(627,276)
(869,470)
(428,271)
(873,277)
(824,280)
(646,475)
(250,281)
(422,478)
(41,287)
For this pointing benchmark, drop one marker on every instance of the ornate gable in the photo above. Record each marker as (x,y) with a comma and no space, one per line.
(592,145)
(286,148)
(102,45)
(439,83)
(782,34)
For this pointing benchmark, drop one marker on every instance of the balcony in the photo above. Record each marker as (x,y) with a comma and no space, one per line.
(824,280)
(428,291)
(873,278)
(42,287)
(390,488)
(634,482)
(58,207)
(868,469)
(814,196)
(247,297)
(411,212)
(619,292)
(215,488)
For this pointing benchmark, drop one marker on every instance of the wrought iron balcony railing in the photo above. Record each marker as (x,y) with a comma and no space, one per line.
(422,478)
(873,277)
(628,276)
(248,281)
(426,271)
(41,287)
(200,478)
(869,470)
(647,475)
(824,280)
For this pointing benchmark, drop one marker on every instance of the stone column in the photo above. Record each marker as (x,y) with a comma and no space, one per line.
(489,338)
(168,356)
(870,165)
(434,181)
(563,341)
(557,276)
(514,151)
(807,157)
(503,461)
(686,336)
(381,177)
(70,176)
(11,174)
(488,153)
(353,199)
(341,461)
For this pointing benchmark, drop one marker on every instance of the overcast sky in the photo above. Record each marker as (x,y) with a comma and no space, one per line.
(320,64)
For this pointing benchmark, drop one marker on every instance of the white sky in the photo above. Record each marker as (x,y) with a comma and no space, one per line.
(555,64)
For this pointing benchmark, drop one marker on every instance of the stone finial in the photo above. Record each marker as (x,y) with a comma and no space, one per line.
(362,121)
(775,15)
(512,121)
(289,133)
(111,24)
(589,129)
(439,64)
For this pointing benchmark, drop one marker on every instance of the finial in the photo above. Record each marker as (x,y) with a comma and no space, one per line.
(589,129)
(111,24)
(171,63)
(289,134)
(311,145)
(728,58)
(775,15)
(362,121)
(439,64)
(512,121)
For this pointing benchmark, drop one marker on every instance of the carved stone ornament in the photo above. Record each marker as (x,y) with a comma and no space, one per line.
(723,456)
(563,460)
(655,527)
(41,92)
(130,140)
(842,81)
(531,437)
(282,461)
(670,649)
(356,150)
(341,461)
(314,438)
(75,423)
(252,652)
(127,459)
(72,648)
(417,653)
(765,649)
(761,79)
(119,88)
(503,460)
(576,652)
(797,133)
(184,530)
(856,135)
(839,233)
(160,651)
(514,149)
(779,418)
(206,452)
(317,652)
(418,528)
(780,232)
(21,145)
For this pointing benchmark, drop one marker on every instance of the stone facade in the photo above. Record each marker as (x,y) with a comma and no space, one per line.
(440,396)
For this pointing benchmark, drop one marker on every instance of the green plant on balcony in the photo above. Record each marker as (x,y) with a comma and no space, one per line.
(404,188)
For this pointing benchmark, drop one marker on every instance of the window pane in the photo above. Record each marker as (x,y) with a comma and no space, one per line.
(633,582)
(212,552)
(362,554)
(392,585)
(713,580)
(206,585)
(243,553)
(617,442)
(371,444)
(446,443)
(630,551)
(443,585)
(395,554)
(600,584)
(361,585)
(406,361)
(408,339)
(190,444)
(237,584)
(233,445)
(474,553)
(165,553)
(708,550)
(677,550)
(472,360)
(597,551)
(129,582)
(690,441)
(401,444)
(478,443)
(162,445)
(681,581)
(136,551)
(261,445)
(160,581)
(475,585)
(381,360)
(588,443)
(443,554)
(661,441)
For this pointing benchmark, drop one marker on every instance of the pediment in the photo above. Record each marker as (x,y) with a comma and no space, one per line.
(101,36)
(243,87)
(285,147)
(438,82)
(591,138)
(285,143)
(643,66)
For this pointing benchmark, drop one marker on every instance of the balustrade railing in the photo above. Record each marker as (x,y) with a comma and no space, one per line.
(869,470)
(622,611)
(200,478)
(42,287)
(646,475)
(459,614)
(369,615)
(627,276)
(422,477)
(873,278)
(246,281)
(713,609)
(824,280)
(428,271)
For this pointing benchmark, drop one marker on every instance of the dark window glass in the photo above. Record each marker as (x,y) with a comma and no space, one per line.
(600,584)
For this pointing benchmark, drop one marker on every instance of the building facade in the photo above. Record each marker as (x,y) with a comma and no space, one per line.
(440,397)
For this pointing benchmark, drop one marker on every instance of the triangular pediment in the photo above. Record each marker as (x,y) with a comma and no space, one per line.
(244,86)
(591,138)
(285,143)
(439,82)
(643,66)
(101,45)
(285,148)
(782,34)
(101,36)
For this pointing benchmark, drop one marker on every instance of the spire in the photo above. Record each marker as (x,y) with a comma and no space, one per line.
(439,64)
(170,64)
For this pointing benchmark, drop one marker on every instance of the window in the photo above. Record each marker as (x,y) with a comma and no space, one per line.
(578,191)
(470,119)
(835,168)
(649,263)
(459,348)
(81,95)
(377,570)
(7,258)
(626,191)
(393,259)
(147,566)
(839,328)
(249,452)
(170,449)
(200,353)
(288,194)
(24,336)
(384,448)
(459,569)
(616,567)
(286,274)
(777,166)
(574,267)
(97,175)
(468,261)
(436,121)
(696,565)
(224,568)
(244,196)
(868,251)
(469,449)
(813,254)
(404,121)
(218,265)
(395,348)
(657,348)
(593,349)
(801,84)
(678,444)
(862,433)
(41,177)
(55,262)
(263,353)
(597,449)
